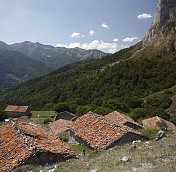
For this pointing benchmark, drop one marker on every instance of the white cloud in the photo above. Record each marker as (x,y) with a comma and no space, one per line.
(124,46)
(96,44)
(72,45)
(144,16)
(112,50)
(129,39)
(75,34)
(92,32)
(104,25)
(115,40)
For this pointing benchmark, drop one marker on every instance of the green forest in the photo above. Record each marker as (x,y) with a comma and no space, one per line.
(114,82)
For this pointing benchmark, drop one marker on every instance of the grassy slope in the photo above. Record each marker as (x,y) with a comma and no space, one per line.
(155,156)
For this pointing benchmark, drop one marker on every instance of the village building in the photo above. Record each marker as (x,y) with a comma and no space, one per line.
(117,117)
(65,115)
(60,126)
(158,123)
(17,111)
(96,132)
(23,143)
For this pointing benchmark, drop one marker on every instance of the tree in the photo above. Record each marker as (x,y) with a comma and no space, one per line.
(61,107)
(3,115)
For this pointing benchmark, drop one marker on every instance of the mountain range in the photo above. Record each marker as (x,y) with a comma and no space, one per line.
(54,56)
(139,80)
(18,58)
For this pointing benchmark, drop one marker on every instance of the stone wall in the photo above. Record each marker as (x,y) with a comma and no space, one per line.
(127,138)
(45,158)
(74,140)
(65,115)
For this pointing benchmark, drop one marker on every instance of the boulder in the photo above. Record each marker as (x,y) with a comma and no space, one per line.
(159,135)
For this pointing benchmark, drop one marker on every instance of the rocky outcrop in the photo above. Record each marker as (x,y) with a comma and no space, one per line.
(163,28)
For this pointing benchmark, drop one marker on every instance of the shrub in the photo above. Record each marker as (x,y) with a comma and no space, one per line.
(162,125)
(173,119)
(102,110)
(3,115)
(46,120)
(141,113)
(168,91)
(61,107)
(149,133)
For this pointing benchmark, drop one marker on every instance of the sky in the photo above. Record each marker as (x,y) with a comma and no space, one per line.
(107,25)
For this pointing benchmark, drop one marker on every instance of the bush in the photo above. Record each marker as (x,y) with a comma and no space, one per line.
(46,120)
(173,119)
(138,114)
(61,107)
(149,133)
(103,110)
(168,92)
(3,115)
(81,110)
(162,125)
(116,104)
(143,113)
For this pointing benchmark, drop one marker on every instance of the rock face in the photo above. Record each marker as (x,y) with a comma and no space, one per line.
(163,28)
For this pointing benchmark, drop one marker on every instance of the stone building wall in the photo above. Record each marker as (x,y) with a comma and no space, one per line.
(45,158)
(66,116)
(127,138)
(74,140)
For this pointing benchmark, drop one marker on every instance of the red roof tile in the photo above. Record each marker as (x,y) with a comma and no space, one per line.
(97,132)
(117,117)
(152,123)
(19,140)
(59,126)
(11,108)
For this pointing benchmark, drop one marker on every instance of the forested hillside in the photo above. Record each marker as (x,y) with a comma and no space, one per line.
(125,81)
(16,68)
(115,82)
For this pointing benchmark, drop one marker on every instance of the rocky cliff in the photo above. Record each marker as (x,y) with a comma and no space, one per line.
(163,28)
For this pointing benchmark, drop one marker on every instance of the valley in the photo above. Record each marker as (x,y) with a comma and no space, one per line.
(73,109)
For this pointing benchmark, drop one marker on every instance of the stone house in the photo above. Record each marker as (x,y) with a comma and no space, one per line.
(65,115)
(117,117)
(17,111)
(60,126)
(23,143)
(96,132)
(156,123)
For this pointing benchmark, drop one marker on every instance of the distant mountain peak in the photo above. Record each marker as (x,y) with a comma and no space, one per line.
(163,28)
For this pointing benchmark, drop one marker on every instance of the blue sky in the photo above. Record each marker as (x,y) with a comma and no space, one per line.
(108,25)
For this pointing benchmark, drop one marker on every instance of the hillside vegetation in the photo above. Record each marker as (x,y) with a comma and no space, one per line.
(115,82)
(16,68)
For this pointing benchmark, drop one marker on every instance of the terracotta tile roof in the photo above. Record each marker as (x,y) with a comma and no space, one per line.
(117,117)
(11,108)
(152,123)
(59,126)
(19,140)
(97,132)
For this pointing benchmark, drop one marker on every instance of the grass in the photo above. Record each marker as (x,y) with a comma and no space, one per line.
(150,155)
(43,114)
